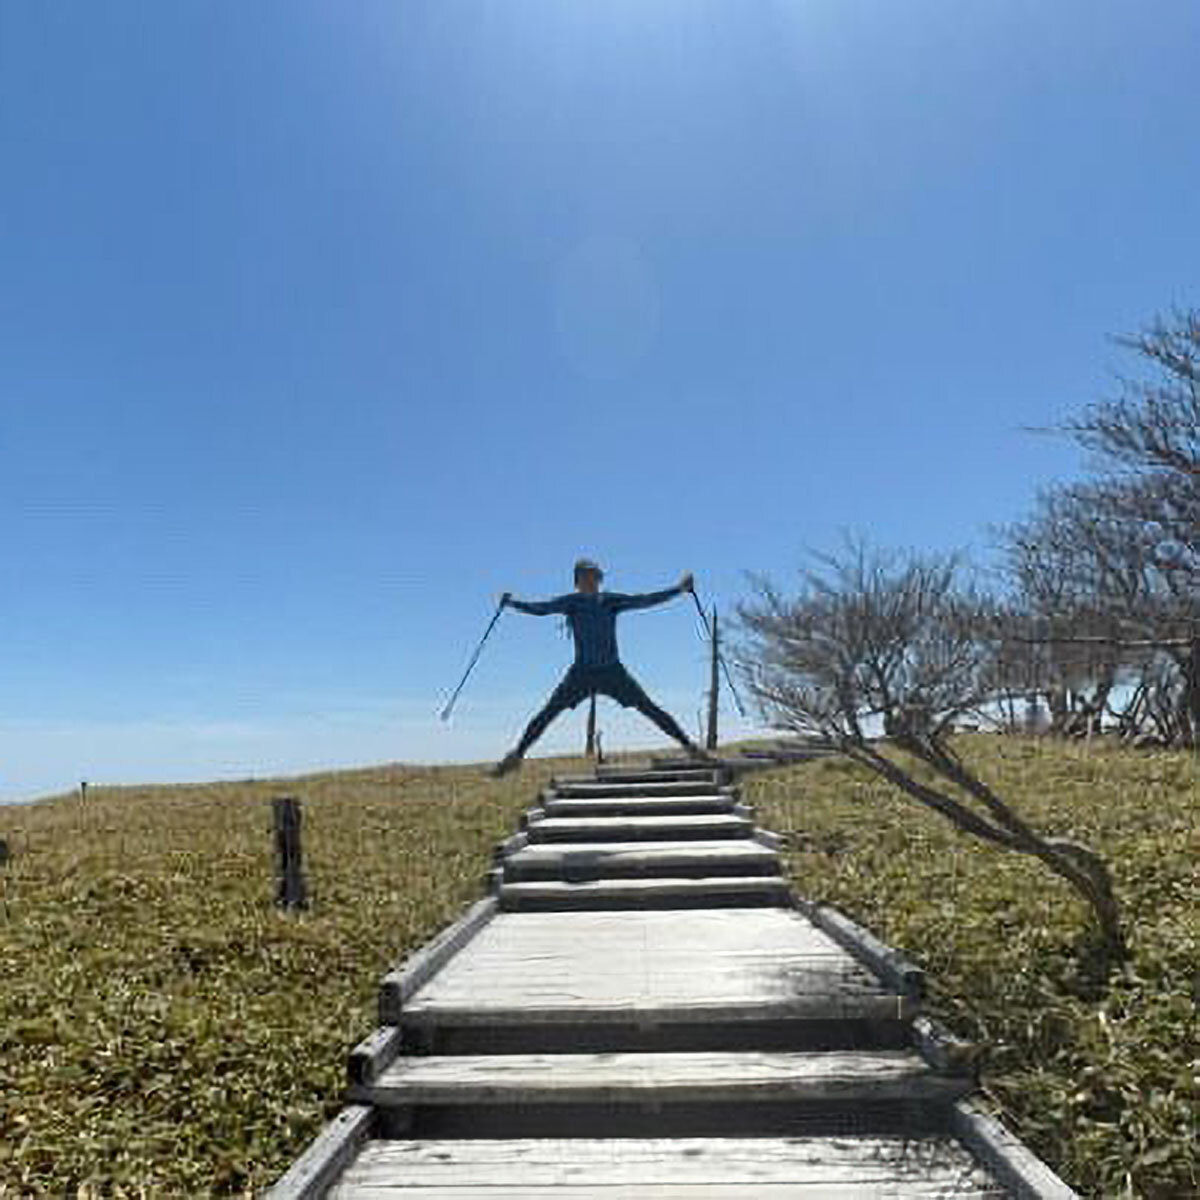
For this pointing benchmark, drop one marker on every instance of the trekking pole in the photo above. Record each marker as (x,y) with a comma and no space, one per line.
(724,665)
(445,714)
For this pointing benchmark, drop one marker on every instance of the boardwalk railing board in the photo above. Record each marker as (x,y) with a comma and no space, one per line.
(374,1054)
(888,963)
(399,985)
(1009,1159)
(327,1156)
(510,845)
(765,837)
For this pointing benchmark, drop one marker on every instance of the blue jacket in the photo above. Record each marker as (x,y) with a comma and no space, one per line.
(593,619)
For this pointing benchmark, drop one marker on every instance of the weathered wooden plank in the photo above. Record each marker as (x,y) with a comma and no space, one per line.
(582,860)
(661,892)
(680,1168)
(623,829)
(635,774)
(637,806)
(819,1190)
(687,965)
(1009,1160)
(565,1008)
(326,1157)
(681,1077)
(416,970)
(591,789)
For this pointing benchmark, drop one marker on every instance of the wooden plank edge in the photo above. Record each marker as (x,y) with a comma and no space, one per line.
(833,1006)
(326,1156)
(765,837)
(373,1055)
(1009,1159)
(416,970)
(889,964)
(510,845)
(942,1050)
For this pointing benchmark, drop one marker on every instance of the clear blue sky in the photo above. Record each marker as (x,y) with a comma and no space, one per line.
(322,324)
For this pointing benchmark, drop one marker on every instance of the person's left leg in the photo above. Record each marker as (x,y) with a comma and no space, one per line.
(568,694)
(626,691)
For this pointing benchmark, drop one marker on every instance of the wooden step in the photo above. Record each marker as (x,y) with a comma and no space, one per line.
(592,789)
(577,862)
(675,978)
(739,1077)
(716,892)
(627,829)
(641,774)
(641,1168)
(636,806)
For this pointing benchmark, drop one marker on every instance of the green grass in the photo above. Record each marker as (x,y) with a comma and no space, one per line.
(1103,1085)
(164,1031)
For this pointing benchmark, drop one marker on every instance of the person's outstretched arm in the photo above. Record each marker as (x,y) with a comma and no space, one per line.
(622,602)
(535,608)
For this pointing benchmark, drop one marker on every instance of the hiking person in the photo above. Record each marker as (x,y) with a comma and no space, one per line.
(592,615)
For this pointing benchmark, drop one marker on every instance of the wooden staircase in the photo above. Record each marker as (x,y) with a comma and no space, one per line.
(642,1008)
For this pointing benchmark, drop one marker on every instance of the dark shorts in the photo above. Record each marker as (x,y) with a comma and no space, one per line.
(580,682)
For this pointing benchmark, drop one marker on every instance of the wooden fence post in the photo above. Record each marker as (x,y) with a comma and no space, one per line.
(714,683)
(291,892)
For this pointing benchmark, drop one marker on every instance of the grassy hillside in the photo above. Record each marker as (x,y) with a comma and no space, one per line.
(165,1031)
(1104,1087)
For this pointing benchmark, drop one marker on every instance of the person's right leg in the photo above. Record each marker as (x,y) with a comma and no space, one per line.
(568,694)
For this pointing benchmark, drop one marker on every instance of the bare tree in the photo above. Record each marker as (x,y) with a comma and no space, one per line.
(1154,425)
(1083,586)
(901,645)
(1115,561)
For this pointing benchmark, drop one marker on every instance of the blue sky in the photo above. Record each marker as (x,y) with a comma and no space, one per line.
(322,324)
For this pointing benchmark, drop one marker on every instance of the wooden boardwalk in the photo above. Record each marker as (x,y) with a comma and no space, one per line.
(642,1008)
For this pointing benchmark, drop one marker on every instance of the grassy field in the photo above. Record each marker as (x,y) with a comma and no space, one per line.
(164,1031)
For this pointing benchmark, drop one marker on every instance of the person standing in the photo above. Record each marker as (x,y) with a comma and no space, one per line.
(592,615)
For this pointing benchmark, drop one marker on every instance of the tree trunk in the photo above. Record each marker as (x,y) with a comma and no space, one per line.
(1069,860)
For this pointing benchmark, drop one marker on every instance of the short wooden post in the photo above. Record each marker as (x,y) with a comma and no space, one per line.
(590,748)
(291,892)
(714,683)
